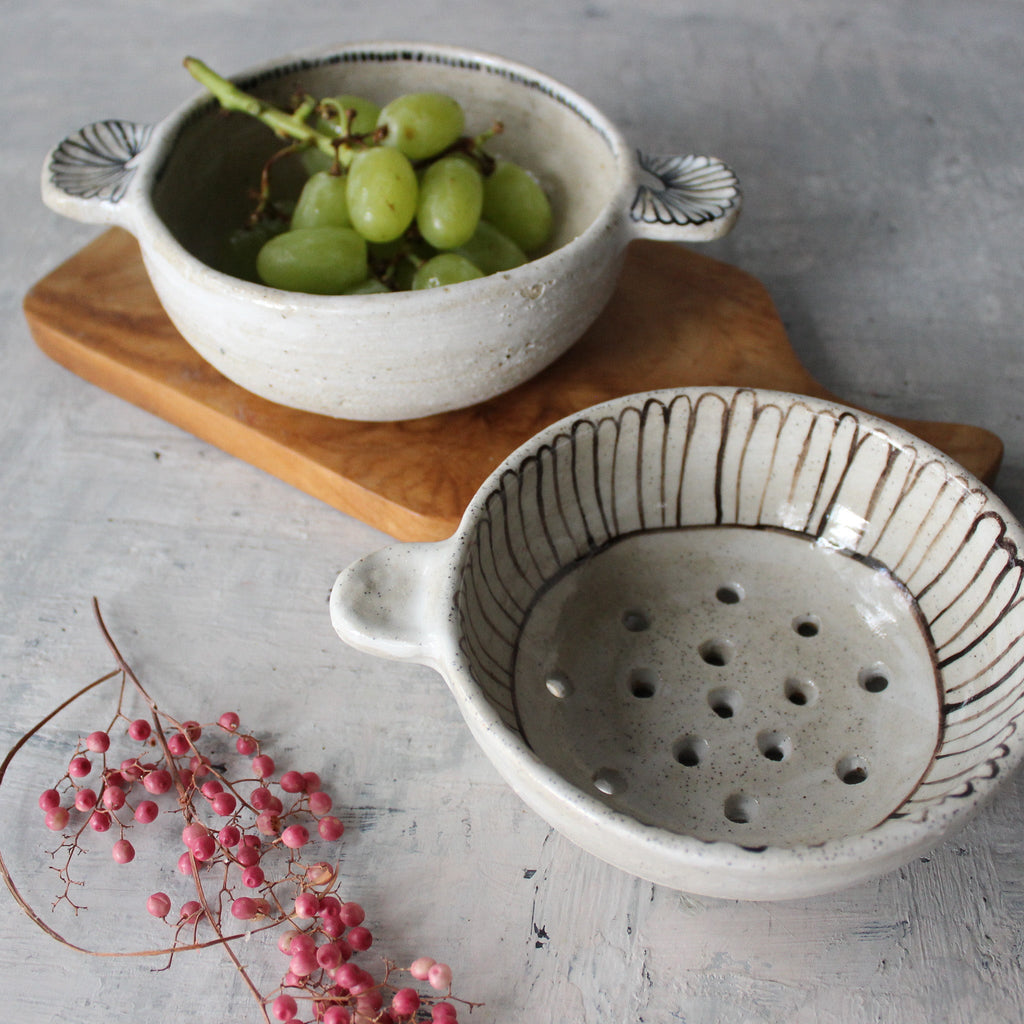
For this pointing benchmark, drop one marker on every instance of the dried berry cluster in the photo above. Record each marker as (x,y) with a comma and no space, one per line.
(253,845)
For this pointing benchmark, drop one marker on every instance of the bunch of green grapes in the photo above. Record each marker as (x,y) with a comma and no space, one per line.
(414,204)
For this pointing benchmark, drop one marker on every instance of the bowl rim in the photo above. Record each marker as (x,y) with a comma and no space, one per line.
(156,238)
(890,843)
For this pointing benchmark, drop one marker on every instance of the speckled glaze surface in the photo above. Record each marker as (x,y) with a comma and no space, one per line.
(741,643)
(181,185)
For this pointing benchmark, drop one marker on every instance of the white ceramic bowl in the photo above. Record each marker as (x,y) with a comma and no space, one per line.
(740,643)
(180,185)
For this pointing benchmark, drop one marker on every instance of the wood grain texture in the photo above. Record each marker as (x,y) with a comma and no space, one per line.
(678,318)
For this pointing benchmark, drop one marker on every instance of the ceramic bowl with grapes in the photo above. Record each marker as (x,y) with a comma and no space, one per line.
(183,184)
(741,643)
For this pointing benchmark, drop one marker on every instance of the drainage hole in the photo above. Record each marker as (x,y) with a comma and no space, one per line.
(558,685)
(776,746)
(725,702)
(690,751)
(730,593)
(642,683)
(716,652)
(807,625)
(801,692)
(741,809)
(609,781)
(874,679)
(852,770)
(635,621)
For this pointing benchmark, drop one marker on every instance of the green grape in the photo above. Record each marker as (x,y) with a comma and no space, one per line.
(363,123)
(451,198)
(444,269)
(321,261)
(322,203)
(516,205)
(422,124)
(366,111)
(371,286)
(490,250)
(382,193)
(240,249)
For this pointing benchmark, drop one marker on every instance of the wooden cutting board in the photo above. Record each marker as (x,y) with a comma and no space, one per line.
(677,318)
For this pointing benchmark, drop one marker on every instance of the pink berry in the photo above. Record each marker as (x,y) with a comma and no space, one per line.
(348,975)
(330,828)
(303,963)
(352,914)
(369,998)
(360,938)
(285,940)
(284,1008)
(262,766)
(146,812)
(193,730)
(57,818)
(247,856)
(312,781)
(113,798)
(98,742)
(337,1015)
(293,782)
(204,848)
(211,788)
(185,864)
(191,911)
(130,771)
(49,800)
(123,852)
(443,1013)
(246,746)
(421,967)
(229,835)
(329,956)
(268,824)
(331,925)
(158,781)
(329,905)
(405,1002)
(320,874)
(224,804)
(306,905)
(320,802)
(228,721)
(200,767)
(253,877)
(159,904)
(99,821)
(302,942)
(192,831)
(440,977)
(140,729)
(244,908)
(79,767)
(295,837)
(85,799)
(260,798)
(178,744)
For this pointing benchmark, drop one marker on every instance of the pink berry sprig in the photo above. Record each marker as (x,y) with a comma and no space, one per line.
(257,852)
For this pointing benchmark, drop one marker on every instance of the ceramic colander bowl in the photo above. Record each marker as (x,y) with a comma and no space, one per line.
(181,185)
(740,643)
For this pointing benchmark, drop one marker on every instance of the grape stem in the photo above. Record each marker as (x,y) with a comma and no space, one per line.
(281,122)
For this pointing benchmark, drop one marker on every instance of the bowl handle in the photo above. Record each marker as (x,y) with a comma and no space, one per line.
(684,198)
(389,603)
(87,176)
